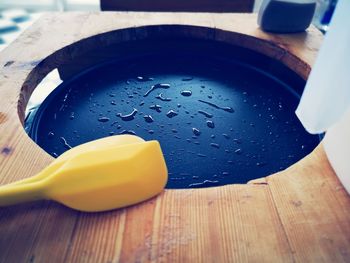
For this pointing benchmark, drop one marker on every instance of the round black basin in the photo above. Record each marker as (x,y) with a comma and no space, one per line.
(221,113)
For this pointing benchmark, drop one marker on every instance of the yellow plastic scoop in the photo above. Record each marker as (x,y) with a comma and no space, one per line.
(100,175)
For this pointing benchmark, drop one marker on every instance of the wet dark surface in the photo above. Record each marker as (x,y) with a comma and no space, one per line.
(218,121)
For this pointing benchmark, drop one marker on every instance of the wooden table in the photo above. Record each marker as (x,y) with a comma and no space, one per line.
(300,214)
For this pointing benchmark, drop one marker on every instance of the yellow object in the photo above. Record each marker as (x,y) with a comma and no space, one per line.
(101,175)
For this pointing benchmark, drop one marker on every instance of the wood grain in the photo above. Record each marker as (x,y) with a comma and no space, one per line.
(301,214)
(310,199)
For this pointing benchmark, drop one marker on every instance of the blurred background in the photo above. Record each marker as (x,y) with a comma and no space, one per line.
(17,15)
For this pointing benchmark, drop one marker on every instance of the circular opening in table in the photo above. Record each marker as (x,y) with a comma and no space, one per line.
(223,114)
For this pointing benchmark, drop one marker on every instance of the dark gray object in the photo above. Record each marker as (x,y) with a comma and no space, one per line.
(286,16)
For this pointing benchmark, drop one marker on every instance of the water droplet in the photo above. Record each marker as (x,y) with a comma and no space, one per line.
(71,116)
(196,131)
(113,102)
(111,133)
(225,173)
(128,117)
(112,95)
(148,118)
(142,103)
(156,107)
(50,134)
(171,114)
(187,78)
(65,143)
(162,98)
(174,130)
(127,132)
(205,183)
(54,154)
(238,151)
(186,93)
(215,145)
(103,119)
(228,109)
(201,155)
(206,114)
(260,164)
(142,78)
(210,124)
(157,86)
(150,131)
(238,141)
(226,136)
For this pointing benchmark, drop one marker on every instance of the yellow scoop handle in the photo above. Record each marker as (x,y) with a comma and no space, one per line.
(99,144)
(97,179)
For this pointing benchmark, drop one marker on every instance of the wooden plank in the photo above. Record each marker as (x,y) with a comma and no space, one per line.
(99,231)
(225,224)
(36,232)
(181,225)
(314,209)
(301,214)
